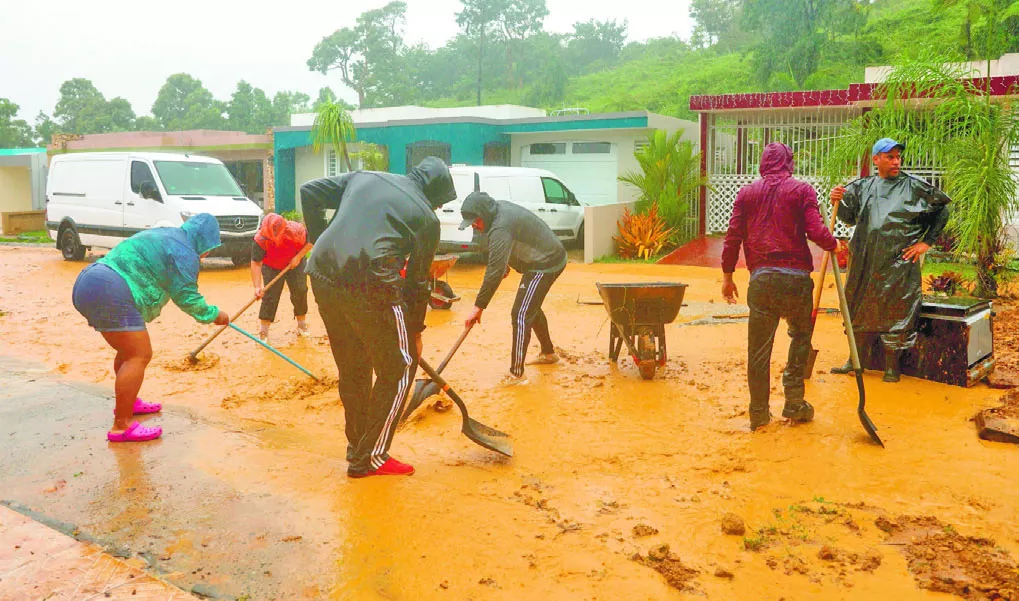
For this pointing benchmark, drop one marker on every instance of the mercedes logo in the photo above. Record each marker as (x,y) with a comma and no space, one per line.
(239,224)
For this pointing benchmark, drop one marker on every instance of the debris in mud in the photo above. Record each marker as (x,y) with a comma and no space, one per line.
(733,525)
(294,388)
(206,360)
(641,530)
(723,572)
(942,560)
(442,404)
(661,560)
(488,582)
(1000,424)
(291,539)
(1003,379)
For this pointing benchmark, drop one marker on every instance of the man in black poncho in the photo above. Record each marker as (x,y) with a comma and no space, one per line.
(897,217)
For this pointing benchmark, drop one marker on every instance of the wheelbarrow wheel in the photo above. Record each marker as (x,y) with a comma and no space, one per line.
(646,352)
(444,289)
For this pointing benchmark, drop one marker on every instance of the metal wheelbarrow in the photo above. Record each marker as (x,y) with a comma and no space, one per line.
(639,313)
(440,292)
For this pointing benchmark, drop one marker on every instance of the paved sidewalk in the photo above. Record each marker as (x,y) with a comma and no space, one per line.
(39,563)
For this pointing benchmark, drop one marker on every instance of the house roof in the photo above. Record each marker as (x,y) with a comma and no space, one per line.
(857,94)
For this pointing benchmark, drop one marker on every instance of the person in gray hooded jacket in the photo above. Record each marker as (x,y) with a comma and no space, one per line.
(517,239)
(371,314)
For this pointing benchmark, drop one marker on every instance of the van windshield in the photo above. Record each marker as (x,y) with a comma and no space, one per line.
(191,178)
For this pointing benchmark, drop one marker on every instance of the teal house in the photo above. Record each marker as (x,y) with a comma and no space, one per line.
(587,151)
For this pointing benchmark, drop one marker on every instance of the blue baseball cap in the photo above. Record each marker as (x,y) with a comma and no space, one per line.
(885,145)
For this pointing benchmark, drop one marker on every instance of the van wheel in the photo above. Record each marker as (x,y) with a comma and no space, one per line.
(70,245)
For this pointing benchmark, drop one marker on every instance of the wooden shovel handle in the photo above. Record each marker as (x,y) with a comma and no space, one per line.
(824,269)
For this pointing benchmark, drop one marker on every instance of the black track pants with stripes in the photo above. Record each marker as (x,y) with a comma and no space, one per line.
(367,337)
(527,315)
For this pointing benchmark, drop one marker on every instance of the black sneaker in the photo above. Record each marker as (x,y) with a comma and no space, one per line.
(801,411)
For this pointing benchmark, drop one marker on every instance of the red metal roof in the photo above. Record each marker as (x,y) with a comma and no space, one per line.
(856,93)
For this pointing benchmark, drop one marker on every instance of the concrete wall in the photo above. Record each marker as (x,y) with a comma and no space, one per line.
(601,223)
(15,189)
(307,166)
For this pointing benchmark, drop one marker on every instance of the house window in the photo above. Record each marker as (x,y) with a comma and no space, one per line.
(418,151)
(497,154)
(548,148)
(335,164)
(639,146)
(592,148)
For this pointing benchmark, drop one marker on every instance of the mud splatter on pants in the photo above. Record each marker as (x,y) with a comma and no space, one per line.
(774,296)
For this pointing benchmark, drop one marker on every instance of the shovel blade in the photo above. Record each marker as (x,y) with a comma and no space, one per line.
(423,389)
(808,368)
(497,442)
(862,413)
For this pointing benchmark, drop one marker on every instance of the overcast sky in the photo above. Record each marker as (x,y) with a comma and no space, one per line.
(128,48)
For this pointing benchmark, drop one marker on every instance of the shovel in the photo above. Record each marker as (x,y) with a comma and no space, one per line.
(423,387)
(269,347)
(853,353)
(488,437)
(808,368)
(193,355)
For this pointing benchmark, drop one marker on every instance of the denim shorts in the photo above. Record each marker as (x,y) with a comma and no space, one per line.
(103,297)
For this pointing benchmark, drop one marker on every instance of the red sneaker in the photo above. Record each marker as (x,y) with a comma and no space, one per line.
(391,467)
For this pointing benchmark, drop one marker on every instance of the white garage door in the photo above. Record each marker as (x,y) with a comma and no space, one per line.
(588,169)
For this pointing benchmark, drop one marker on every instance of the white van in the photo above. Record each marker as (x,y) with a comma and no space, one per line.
(535,189)
(97,199)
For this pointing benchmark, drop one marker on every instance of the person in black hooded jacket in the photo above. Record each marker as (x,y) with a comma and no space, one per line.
(371,314)
(517,239)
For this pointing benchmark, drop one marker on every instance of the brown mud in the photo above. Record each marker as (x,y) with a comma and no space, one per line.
(602,458)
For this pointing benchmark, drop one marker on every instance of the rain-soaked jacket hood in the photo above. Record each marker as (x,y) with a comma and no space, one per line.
(884,289)
(203,232)
(776,162)
(433,177)
(478,204)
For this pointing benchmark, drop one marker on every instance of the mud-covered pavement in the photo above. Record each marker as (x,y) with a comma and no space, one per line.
(246,491)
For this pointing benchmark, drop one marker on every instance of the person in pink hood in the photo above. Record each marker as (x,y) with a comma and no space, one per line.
(772,220)
(278,245)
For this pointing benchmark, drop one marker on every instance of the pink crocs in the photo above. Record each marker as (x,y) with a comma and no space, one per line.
(135,433)
(143,407)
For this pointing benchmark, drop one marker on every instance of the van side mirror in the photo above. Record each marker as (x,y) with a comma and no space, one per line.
(148,190)
(572,198)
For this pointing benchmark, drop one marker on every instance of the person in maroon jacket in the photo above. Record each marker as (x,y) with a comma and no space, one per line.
(772,220)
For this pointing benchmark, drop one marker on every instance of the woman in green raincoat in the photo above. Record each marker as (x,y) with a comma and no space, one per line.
(121,292)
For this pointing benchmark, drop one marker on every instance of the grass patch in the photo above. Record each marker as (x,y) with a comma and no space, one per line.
(966,270)
(37,237)
(614,259)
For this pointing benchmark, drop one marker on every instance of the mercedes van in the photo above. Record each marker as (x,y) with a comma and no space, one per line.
(97,199)
(537,190)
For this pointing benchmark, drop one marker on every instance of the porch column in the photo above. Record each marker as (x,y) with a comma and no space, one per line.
(702,227)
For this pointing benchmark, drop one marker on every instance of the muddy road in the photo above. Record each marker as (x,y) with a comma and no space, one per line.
(617,489)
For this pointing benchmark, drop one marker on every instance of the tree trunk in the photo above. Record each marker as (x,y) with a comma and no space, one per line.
(481,51)
(987,286)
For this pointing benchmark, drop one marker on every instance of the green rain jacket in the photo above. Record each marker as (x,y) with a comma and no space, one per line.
(161,264)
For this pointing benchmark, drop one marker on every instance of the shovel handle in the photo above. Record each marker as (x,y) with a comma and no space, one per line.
(434,375)
(194,353)
(847,319)
(824,271)
(452,351)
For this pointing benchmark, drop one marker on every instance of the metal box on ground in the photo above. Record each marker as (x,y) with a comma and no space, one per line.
(955,343)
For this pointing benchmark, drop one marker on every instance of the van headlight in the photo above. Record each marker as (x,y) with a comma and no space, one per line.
(185,215)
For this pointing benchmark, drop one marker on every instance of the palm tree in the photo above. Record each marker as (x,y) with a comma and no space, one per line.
(334,127)
(669,177)
(965,131)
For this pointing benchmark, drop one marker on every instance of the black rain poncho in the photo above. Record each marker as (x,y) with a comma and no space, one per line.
(884,289)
